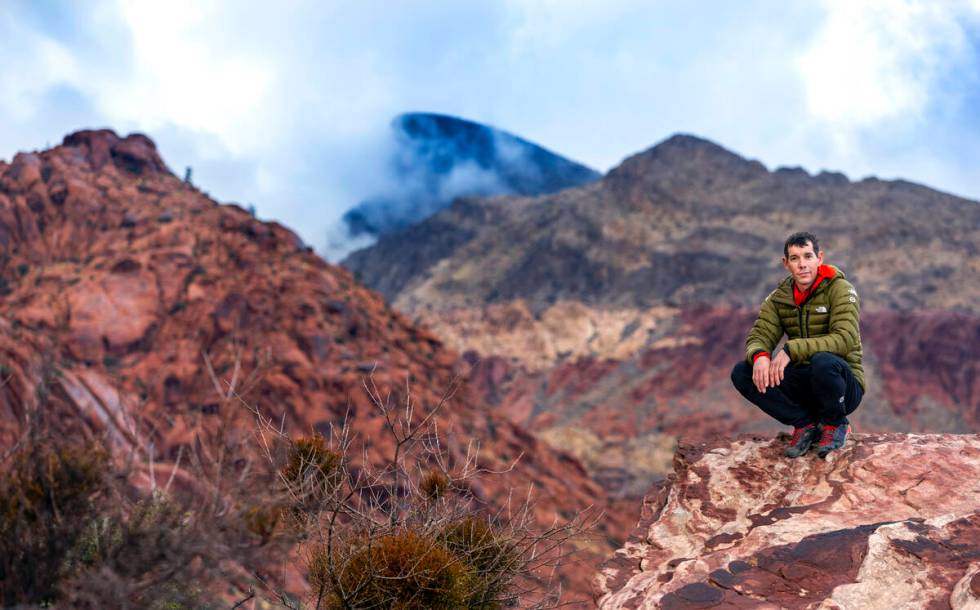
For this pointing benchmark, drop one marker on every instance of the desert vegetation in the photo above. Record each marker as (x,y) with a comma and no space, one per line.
(236,519)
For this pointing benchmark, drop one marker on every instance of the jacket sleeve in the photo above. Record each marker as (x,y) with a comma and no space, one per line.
(766,331)
(843,336)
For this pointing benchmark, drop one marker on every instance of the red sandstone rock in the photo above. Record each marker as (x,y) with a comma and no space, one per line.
(118,277)
(891,521)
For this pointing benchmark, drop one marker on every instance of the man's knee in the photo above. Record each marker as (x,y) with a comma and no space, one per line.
(825,364)
(742,376)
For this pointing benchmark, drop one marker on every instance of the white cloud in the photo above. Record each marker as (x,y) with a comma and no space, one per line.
(48,64)
(181,77)
(875,60)
(286,106)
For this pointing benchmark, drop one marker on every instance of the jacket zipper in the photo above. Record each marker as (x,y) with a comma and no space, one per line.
(804,320)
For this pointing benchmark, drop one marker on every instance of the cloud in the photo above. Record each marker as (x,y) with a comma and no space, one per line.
(891,88)
(880,60)
(184,79)
(434,159)
(287,107)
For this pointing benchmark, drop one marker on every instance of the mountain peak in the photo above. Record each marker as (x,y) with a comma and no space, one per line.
(136,153)
(438,158)
(689,159)
(683,146)
(687,140)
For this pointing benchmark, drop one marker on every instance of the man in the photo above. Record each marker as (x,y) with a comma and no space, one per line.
(816,380)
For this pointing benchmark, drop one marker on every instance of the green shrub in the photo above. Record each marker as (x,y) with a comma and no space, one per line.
(142,555)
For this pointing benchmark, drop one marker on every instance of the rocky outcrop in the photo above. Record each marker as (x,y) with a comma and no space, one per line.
(117,278)
(890,521)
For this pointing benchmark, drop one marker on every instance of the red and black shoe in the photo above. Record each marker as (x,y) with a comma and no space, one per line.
(802,439)
(832,437)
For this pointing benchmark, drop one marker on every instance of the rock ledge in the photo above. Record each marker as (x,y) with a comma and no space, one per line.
(891,521)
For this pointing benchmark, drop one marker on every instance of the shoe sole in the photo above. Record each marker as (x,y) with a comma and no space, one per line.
(795,453)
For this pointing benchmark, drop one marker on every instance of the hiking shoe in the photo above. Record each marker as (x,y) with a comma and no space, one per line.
(832,437)
(802,439)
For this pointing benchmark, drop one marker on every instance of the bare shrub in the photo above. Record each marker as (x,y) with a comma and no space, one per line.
(81,527)
(50,496)
(85,527)
(401,533)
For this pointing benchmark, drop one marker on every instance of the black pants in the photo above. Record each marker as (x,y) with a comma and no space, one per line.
(823,392)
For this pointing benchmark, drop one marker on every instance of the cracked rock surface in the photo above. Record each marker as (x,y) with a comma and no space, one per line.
(890,521)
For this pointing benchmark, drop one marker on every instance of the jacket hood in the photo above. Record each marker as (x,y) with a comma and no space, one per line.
(785,289)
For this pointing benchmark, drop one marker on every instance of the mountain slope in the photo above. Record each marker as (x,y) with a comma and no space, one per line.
(682,223)
(117,279)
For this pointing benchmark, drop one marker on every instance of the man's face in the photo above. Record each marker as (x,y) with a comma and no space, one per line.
(802,264)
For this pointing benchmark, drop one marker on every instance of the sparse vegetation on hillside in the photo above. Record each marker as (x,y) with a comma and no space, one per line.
(83,526)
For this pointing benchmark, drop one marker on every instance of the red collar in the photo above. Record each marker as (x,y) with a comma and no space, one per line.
(823,272)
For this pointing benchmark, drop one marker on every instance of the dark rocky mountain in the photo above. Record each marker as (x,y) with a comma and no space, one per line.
(685,222)
(438,158)
(607,317)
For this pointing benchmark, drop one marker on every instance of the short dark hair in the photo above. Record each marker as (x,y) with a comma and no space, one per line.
(799,240)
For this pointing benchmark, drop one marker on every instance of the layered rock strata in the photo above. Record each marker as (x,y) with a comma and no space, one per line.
(891,521)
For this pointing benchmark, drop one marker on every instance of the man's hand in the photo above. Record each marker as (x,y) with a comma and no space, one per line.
(778,367)
(760,373)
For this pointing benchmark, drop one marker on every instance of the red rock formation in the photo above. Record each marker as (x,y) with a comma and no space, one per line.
(890,521)
(117,277)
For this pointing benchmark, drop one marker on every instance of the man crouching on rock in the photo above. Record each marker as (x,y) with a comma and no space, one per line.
(816,380)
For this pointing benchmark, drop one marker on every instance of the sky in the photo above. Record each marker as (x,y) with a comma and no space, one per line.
(287,106)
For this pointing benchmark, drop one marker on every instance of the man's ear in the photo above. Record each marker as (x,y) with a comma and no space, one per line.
(820,257)
(785,264)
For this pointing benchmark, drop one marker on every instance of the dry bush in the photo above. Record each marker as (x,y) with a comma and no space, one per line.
(402,534)
(76,531)
(400,570)
(79,528)
(50,496)
(434,485)
(493,555)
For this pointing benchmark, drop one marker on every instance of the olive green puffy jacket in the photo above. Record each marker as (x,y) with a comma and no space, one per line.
(826,322)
